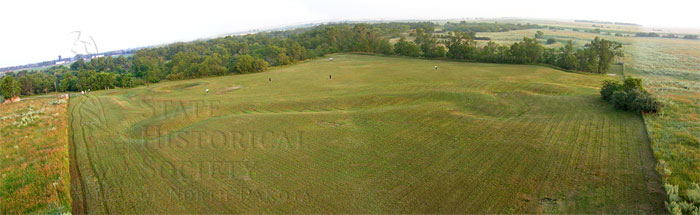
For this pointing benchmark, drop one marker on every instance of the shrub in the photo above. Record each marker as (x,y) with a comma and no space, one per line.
(621,100)
(629,96)
(609,87)
(632,83)
(551,41)
(646,103)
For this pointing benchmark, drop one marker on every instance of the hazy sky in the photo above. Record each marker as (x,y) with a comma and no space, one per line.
(34,31)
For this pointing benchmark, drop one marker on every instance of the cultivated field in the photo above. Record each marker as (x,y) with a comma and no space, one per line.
(385,135)
(34,156)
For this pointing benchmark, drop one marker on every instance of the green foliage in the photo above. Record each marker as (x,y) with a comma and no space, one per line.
(689,203)
(406,48)
(464,26)
(631,83)
(9,87)
(220,56)
(602,52)
(247,64)
(539,35)
(690,37)
(461,46)
(551,41)
(429,45)
(650,34)
(609,87)
(567,58)
(629,96)
(526,52)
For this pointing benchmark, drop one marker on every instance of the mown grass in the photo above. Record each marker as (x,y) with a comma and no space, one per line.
(385,135)
(34,157)
(671,70)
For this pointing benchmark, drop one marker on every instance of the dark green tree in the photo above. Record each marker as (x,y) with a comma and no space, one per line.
(10,87)
(406,48)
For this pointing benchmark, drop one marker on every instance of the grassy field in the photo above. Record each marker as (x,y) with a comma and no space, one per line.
(34,157)
(671,70)
(385,135)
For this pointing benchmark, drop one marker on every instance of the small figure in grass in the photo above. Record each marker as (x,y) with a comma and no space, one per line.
(435,68)
(207,90)
(330,77)
(331,59)
(269,79)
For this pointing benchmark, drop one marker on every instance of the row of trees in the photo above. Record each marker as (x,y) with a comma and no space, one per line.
(221,56)
(256,52)
(652,34)
(464,26)
(595,57)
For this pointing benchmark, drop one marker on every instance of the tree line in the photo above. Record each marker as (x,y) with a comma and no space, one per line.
(594,57)
(464,26)
(256,52)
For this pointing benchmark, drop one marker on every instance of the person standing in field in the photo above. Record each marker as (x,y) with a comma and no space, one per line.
(330,77)
(207,90)
(435,68)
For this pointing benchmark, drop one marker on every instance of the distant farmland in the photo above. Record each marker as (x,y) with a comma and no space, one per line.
(385,135)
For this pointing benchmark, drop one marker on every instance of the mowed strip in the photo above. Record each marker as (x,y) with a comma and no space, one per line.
(385,135)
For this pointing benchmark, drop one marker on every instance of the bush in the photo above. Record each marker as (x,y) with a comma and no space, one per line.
(407,48)
(646,103)
(629,96)
(621,100)
(609,87)
(551,41)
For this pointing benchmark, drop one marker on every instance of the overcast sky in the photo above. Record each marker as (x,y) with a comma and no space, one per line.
(34,31)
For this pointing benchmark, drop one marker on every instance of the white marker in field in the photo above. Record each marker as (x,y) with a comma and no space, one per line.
(331,59)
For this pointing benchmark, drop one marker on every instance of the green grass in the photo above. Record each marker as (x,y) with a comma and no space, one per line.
(386,135)
(34,175)
(670,71)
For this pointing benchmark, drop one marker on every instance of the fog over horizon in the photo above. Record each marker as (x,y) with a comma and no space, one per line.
(29,37)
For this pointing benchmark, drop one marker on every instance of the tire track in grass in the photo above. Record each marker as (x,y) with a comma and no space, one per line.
(553,169)
(642,158)
(91,164)
(485,198)
(628,161)
(477,175)
(414,187)
(566,152)
(652,177)
(523,130)
(79,204)
(525,171)
(105,170)
(516,158)
(552,138)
